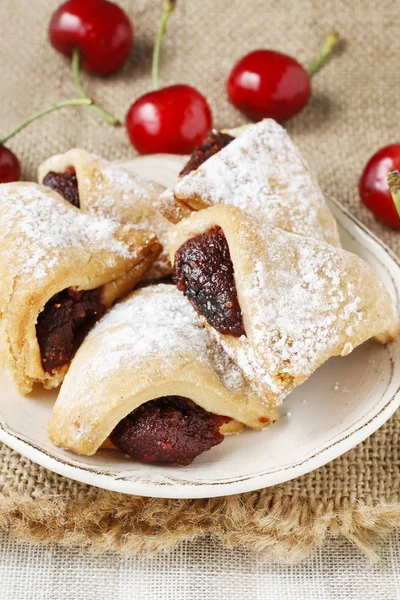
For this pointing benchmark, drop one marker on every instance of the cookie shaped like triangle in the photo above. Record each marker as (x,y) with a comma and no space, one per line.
(150,345)
(263,173)
(49,247)
(107,189)
(301,300)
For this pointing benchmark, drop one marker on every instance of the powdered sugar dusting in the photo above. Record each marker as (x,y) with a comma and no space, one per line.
(121,193)
(263,173)
(154,332)
(307,302)
(125,197)
(43,228)
(157,322)
(302,314)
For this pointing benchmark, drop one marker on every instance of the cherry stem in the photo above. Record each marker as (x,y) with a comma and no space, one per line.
(168,8)
(329,44)
(76,74)
(46,111)
(394,188)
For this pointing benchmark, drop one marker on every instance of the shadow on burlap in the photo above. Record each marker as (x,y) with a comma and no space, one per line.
(354,111)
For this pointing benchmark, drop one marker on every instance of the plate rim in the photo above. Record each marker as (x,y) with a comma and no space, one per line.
(181,489)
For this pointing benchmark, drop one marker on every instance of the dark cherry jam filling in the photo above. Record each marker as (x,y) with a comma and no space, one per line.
(204,273)
(64,322)
(171,429)
(214,142)
(66,184)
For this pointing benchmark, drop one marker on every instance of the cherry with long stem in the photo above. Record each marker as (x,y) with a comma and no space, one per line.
(174,119)
(268,84)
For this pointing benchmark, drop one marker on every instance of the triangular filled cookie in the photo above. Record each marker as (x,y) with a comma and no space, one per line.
(60,269)
(263,173)
(280,304)
(106,189)
(152,378)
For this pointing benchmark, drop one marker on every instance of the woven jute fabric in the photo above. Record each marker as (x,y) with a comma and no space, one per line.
(353,111)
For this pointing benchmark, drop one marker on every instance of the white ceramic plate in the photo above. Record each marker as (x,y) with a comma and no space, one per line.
(344,402)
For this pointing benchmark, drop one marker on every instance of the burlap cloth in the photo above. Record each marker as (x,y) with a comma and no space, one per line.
(354,110)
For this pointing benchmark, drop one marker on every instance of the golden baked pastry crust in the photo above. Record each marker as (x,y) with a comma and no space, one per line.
(106,189)
(302,300)
(263,173)
(150,345)
(47,245)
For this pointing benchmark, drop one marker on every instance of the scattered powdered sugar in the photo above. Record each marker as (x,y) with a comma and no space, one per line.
(305,301)
(338,388)
(43,228)
(228,372)
(263,173)
(303,304)
(247,359)
(120,195)
(117,191)
(155,324)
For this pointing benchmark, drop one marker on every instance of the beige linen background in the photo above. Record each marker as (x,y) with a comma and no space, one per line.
(354,110)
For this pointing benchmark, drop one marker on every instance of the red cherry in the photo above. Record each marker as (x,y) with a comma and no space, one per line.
(266,83)
(174,120)
(100,29)
(10,169)
(373,186)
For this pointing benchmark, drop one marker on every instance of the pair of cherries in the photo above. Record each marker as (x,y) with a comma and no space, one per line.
(177,118)
(103,34)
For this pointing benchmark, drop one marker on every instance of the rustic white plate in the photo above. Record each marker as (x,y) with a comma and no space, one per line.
(337,408)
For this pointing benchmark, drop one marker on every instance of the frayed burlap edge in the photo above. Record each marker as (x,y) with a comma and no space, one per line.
(267,523)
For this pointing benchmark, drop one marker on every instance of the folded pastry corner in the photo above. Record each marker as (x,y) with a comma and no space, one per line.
(106,189)
(150,377)
(280,304)
(60,270)
(259,169)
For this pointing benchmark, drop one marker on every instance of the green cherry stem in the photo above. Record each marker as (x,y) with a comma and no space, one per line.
(46,111)
(168,8)
(329,44)
(394,188)
(76,74)
(84,100)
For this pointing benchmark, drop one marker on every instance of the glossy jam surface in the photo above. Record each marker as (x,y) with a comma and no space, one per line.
(215,141)
(66,184)
(204,273)
(64,322)
(171,429)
